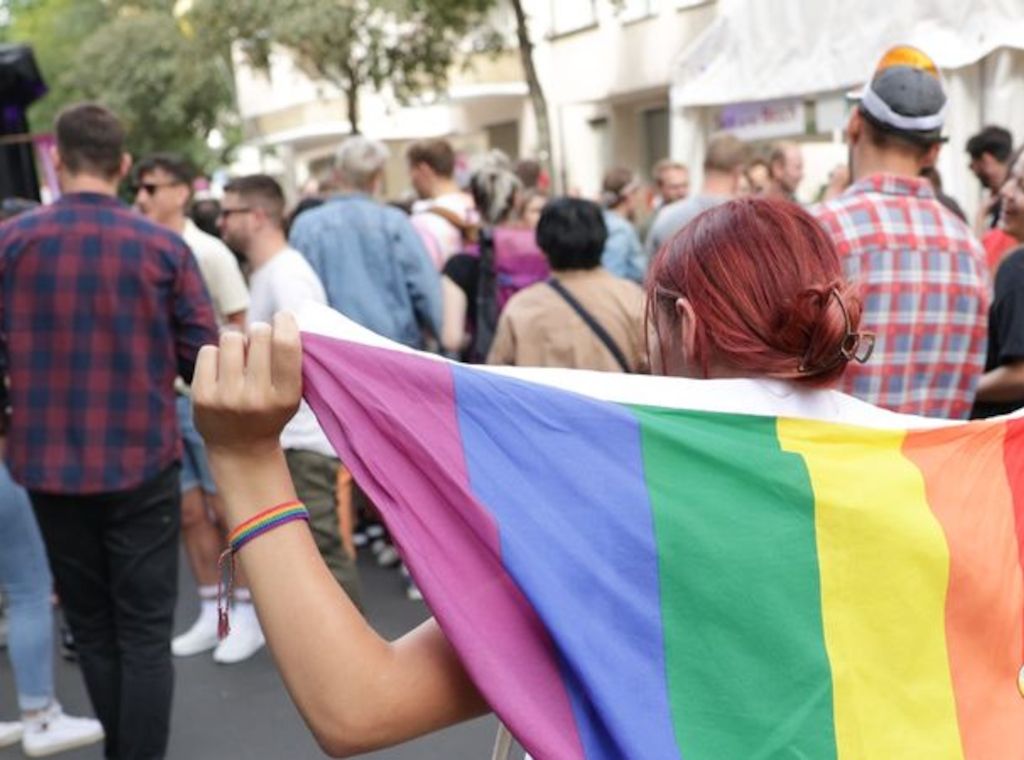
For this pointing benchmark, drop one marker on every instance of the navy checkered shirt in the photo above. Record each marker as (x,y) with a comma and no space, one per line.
(101,309)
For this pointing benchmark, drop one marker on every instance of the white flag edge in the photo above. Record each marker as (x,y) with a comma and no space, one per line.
(766,398)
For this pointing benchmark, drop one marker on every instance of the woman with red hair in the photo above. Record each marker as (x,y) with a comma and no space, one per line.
(749,289)
(753,289)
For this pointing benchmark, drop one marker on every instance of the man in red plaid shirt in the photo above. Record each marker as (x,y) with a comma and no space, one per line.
(921,271)
(100,310)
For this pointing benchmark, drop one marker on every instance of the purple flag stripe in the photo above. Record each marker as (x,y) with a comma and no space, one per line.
(447,538)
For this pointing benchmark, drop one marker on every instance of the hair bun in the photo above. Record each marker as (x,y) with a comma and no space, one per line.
(819,329)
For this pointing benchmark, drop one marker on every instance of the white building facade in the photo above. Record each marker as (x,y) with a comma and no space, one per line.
(631,82)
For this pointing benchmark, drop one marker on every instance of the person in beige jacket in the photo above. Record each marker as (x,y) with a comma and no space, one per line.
(583,317)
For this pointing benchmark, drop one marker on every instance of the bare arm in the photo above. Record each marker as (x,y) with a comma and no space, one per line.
(1005,383)
(453,323)
(356,691)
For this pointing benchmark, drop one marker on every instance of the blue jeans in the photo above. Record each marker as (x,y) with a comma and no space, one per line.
(25,579)
(195,469)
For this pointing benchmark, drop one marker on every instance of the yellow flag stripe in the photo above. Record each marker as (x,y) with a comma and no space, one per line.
(884,567)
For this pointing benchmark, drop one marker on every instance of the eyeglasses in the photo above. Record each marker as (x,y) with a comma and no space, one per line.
(150,188)
(226,212)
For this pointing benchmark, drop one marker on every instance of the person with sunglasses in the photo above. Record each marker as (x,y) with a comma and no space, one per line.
(163,191)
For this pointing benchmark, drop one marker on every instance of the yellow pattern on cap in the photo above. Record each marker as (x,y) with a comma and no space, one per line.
(907,55)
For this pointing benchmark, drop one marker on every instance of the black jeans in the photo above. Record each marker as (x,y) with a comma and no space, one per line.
(114,558)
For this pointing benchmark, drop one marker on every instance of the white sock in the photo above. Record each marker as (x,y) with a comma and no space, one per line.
(244,616)
(207,601)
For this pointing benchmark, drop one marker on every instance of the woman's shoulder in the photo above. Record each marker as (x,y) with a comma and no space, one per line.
(622,287)
(1009,274)
(532,296)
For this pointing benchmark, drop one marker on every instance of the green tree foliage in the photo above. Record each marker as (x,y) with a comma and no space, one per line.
(404,47)
(56,30)
(169,92)
(137,57)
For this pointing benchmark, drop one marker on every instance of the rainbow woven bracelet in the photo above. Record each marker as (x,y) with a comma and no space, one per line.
(269,519)
(243,533)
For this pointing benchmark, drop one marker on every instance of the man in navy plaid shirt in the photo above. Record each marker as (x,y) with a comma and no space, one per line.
(100,310)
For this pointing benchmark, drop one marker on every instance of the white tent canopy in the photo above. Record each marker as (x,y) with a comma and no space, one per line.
(758,50)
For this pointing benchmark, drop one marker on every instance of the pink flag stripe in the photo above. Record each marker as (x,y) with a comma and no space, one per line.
(449,541)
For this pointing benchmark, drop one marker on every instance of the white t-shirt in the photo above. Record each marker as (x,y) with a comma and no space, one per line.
(441,238)
(284,283)
(219,269)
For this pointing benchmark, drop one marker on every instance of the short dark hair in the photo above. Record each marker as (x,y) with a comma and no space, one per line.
(572,234)
(885,138)
(205,213)
(437,154)
(177,166)
(90,140)
(616,184)
(726,153)
(528,170)
(263,191)
(996,141)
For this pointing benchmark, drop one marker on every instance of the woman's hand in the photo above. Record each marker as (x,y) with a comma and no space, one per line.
(356,691)
(246,390)
(244,393)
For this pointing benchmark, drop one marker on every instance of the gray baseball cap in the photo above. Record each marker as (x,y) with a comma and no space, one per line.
(906,96)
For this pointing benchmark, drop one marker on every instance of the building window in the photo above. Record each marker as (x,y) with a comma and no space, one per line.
(504,137)
(656,139)
(634,10)
(572,15)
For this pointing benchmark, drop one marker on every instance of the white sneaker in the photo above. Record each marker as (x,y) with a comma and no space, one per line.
(10,733)
(201,637)
(388,557)
(53,732)
(245,638)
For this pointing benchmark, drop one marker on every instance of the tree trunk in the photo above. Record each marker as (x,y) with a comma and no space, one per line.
(352,103)
(537,99)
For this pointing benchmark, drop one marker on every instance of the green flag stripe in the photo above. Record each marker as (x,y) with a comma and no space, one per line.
(734,524)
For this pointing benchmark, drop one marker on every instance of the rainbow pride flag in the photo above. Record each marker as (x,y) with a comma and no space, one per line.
(644,567)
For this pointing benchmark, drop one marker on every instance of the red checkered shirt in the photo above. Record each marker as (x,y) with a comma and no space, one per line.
(924,285)
(100,310)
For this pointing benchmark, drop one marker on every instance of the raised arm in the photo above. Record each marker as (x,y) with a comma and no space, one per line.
(355,690)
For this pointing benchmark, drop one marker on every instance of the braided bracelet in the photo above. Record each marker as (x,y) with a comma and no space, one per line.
(243,533)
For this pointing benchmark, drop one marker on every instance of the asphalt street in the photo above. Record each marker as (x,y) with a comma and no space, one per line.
(240,712)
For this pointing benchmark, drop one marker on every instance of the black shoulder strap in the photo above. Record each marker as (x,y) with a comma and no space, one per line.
(592,323)
(486,300)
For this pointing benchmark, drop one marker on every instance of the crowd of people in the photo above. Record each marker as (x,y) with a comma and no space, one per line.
(882,288)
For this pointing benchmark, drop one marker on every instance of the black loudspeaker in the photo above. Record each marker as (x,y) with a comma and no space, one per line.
(21,84)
